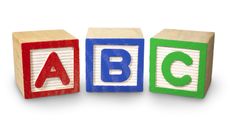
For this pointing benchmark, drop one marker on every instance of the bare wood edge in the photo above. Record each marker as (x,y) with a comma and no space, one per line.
(209,62)
(185,35)
(114,33)
(18,69)
(42,35)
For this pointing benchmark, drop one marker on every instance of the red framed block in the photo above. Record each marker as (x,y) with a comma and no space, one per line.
(46,63)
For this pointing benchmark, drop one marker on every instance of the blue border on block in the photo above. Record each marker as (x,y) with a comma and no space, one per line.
(90,42)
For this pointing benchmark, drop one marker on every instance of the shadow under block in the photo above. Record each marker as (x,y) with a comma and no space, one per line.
(114,60)
(181,62)
(46,63)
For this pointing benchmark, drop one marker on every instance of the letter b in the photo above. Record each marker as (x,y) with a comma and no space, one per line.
(107,65)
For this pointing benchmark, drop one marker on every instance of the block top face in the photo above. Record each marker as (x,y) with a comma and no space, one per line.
(43,35)
(114,33)
(185,35)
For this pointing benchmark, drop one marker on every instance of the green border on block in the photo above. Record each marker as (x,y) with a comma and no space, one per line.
(202,47)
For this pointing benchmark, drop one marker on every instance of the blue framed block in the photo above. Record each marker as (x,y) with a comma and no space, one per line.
(114,60)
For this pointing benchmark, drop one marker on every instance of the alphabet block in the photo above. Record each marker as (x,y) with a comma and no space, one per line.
(46,63)
(114,60)
(181,62)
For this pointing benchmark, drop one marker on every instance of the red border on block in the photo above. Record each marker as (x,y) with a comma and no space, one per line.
(26,47)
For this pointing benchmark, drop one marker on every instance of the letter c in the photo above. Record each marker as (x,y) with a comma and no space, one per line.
(166,68)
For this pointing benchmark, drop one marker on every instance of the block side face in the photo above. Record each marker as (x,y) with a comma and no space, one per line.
(178,68)
(131,81)
(43,35)
(114,33)
(197,52)
(185,35)
(209,66)
(18,64)
(35,57)
(38,58)
(94,57)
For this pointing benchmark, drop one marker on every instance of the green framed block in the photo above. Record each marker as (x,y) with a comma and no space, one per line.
(181,62)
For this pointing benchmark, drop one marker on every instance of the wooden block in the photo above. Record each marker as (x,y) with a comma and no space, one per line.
(114,60)
(46,63)
(181,62)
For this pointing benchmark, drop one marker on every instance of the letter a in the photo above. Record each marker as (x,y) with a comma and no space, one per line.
(52,68)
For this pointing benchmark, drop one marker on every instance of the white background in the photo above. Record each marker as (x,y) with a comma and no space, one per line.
(115,110)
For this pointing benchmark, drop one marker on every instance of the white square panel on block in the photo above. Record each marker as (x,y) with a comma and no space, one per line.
(38,59)
(133,51)
(178,68)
